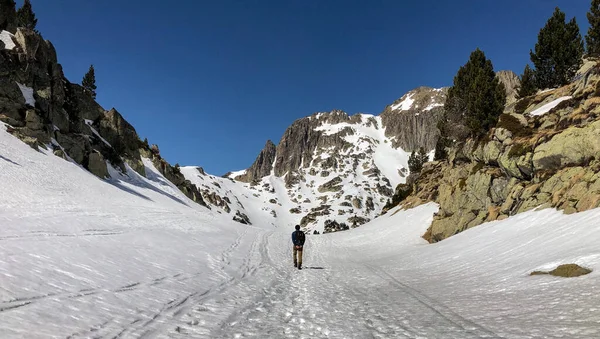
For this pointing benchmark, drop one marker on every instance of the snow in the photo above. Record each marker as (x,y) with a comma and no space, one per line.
(547,107)
(432,106)
(27,94)
(6,38)
(405,104)
(133,257)
(237,173)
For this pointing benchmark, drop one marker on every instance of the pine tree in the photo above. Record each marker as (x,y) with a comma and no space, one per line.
(593,35)
(527,83)
(89,82)
(413,162)
(442,142)
(8,17)
(416,160)
(423,157)
(26,17)
(477,97)
(558,52)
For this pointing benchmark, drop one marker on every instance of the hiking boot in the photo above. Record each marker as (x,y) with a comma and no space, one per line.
(295,265)
(300,266)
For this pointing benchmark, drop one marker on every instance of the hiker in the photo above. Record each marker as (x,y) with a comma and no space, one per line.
(298,239)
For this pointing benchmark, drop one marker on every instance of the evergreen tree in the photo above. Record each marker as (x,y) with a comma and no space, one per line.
(442,142)
(527,83)
(416,160)
(89,82)
(8,17)
(593,35)
(413,162)
(26,17)
(558,52)
(477,97)
(423,157)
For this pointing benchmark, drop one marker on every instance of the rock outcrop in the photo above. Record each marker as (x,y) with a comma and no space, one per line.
(263,164)
(45,110)
(411,121)
(526,162)
(511,83)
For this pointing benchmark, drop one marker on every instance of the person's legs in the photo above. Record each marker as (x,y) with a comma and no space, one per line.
(300,258)
(294,256)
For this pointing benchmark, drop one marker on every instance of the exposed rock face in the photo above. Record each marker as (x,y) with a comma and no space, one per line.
(412,120)
(302,138)
(552,160)
(334,226)
(330,153)
(332,185)
(123,138)
(97,165)
(241,218)
(262,165)
(40,104)
(574,146)
(511,83)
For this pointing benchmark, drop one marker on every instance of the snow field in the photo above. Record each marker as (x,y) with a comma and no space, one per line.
(132,257)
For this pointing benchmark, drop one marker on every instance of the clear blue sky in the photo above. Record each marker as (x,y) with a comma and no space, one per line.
(211,81)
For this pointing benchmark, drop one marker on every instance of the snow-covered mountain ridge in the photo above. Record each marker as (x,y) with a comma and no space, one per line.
(343,169)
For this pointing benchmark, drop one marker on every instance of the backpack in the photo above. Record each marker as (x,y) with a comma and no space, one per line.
(300,237)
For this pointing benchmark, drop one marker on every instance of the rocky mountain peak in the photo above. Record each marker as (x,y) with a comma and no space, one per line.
(411,121)
(511,83)
(262,166)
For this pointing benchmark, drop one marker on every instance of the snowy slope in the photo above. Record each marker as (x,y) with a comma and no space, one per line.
(131,257)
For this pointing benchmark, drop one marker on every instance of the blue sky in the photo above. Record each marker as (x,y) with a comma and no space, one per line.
(211,81)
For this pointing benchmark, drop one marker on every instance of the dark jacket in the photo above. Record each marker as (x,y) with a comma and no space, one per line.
(296,241)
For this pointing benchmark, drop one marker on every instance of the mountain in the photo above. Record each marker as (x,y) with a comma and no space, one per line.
(332,171)
(101,237)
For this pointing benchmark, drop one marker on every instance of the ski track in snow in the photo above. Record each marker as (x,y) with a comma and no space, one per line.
(131,257)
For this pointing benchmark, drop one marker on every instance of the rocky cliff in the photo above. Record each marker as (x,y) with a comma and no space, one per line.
(331,166)
(411,121)
(511,83)
(544,152)
(262,166)
(340,168)
(45,110)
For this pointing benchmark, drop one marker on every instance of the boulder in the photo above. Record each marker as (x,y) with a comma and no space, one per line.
(59,153)
(76,146)
(492,151)
(33,120)
(573,147)
(97,165)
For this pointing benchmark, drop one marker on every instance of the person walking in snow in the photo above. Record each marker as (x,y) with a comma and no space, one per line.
(298,239)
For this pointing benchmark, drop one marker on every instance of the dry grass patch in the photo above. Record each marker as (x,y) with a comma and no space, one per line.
(565,271)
